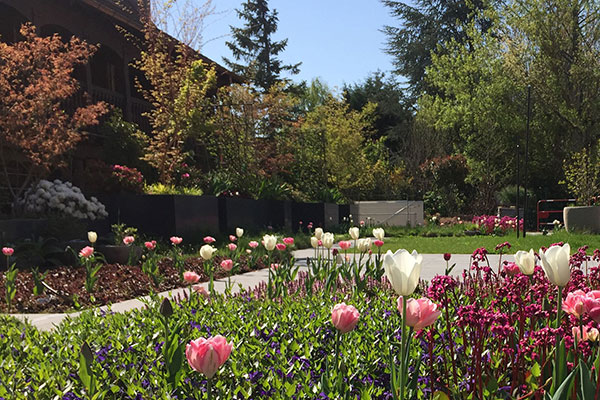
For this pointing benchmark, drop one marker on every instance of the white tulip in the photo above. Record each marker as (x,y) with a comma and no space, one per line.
(318,233)
(314,242)
(92,237)
(555,262)
(239,232)
(379,233)
(526,261)
(354,232)
(207,251)
(403,270)
(363,245)
(269,241)
(328,240)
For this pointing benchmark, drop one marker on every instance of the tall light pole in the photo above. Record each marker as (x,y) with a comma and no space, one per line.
(526,160)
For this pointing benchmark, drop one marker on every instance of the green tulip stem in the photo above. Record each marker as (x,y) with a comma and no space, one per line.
(559,308)
(403,350)
(211,283)
(209,388)
(337,360)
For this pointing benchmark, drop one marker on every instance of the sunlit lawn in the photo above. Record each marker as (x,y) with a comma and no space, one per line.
(466,244)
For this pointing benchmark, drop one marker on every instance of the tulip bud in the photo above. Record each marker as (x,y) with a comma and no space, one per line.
(555,262)
(207,251)
(92,237)
(379,233)
(166,310)
(239,232)
(344,317)
(328,239)
(526,261)
(403,270)
(354,232)
(269,242)
(318,233)
(314,242)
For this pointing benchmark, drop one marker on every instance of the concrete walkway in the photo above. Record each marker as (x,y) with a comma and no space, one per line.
(433,264)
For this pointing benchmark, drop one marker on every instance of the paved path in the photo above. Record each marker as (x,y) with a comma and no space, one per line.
(433,264)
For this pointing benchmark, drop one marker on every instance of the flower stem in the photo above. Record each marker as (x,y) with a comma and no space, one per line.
(337,360)
(403,350)
(209,389)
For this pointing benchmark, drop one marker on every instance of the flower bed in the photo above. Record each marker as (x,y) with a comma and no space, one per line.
(115,282)
(517,330)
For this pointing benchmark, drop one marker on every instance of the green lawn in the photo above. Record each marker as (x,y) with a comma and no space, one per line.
(466,244)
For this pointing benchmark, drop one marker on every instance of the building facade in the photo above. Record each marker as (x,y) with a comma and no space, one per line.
(109,76)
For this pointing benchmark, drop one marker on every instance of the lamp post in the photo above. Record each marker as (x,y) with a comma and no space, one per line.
(518,181)
(526,160)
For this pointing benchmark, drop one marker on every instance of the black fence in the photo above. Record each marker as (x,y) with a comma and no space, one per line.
(194,216)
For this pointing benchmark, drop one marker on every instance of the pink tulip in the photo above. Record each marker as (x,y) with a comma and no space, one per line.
(420,313)
(362,223)
(289,241)
(591,303)
(345,244)
(378,243)
(232,246)
(577,333)
(8,251)
(150,245)
(227,264)
(191,277)
(253,244)
(320,243)
(274,266)
(344,317)
(512,269)
(201,290)
(232,238)
(207,355)
(176,240)
(280,246)
(86,252)
(574,303)
(128,240)
(209,239)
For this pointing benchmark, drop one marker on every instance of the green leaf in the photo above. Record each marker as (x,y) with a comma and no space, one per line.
(562,393)
(587,387)
(440,396)
(85,372)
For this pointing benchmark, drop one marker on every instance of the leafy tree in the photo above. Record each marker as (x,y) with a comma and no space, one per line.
(582,174)
(253,44)
(336,151)
(479,105)
(423,27)
(252,141)
(313,95)
(393,114)
(180,88)
(35,83)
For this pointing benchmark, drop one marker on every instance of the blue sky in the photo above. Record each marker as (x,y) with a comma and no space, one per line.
(337,40)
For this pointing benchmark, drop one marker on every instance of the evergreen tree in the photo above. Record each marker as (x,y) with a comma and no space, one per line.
(424,27)
(254,46)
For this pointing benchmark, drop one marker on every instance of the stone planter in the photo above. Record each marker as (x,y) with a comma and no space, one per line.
(582,219)
(120,254)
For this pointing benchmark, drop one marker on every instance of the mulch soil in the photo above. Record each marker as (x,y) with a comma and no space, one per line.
(115,283)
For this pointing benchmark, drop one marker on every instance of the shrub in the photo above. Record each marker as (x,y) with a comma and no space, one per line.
(60,199)
(582,175)
(128,179)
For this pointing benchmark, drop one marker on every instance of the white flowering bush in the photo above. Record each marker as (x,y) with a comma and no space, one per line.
(60,198)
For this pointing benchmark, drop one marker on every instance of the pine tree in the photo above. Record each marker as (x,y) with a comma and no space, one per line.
(254,46)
